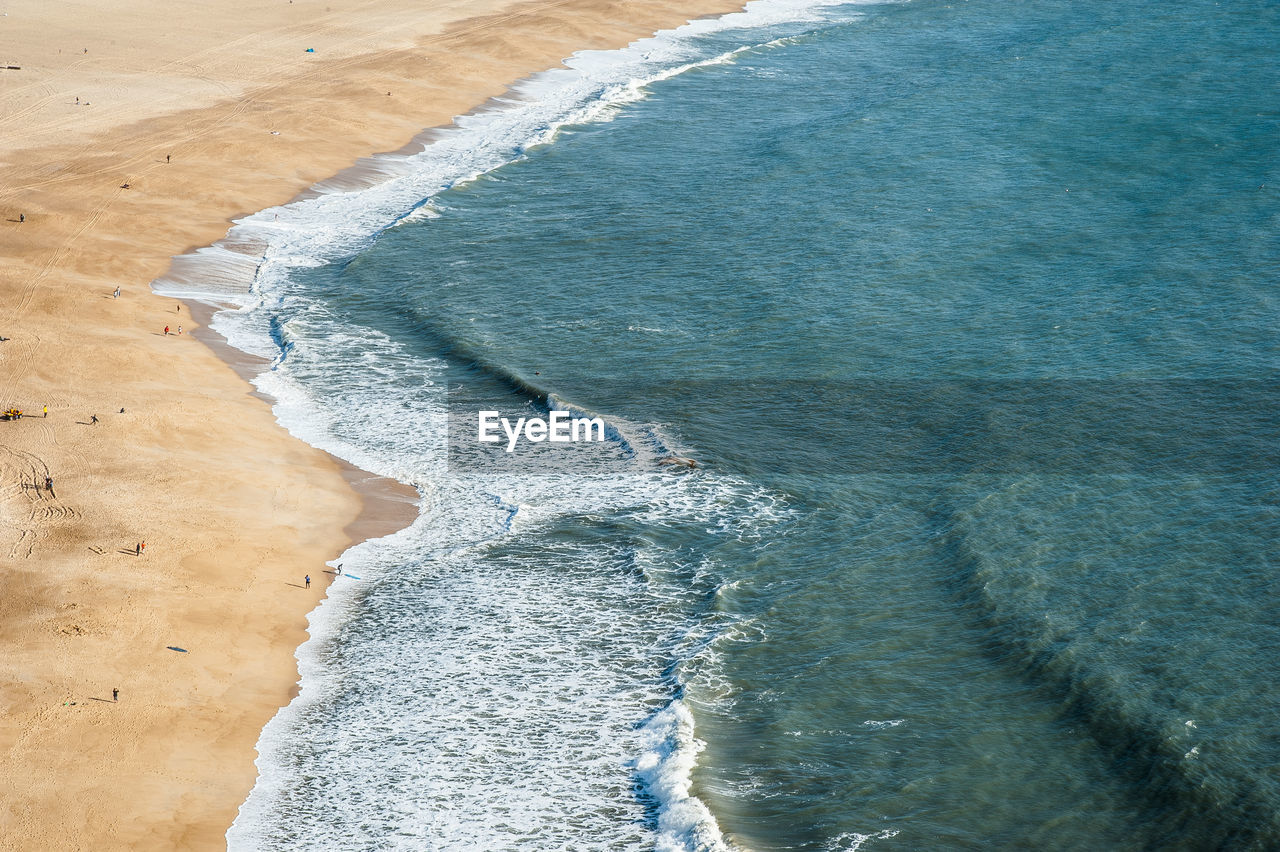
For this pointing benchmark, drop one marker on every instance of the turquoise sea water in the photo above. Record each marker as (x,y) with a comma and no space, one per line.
(967,312)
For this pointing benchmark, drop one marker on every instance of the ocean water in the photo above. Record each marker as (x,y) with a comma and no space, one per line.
(967,312)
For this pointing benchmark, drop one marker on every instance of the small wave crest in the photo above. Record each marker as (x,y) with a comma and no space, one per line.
(665,770)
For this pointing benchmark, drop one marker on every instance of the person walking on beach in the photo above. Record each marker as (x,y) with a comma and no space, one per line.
(179,329)
(48,484)
(166,331)
(22,217)
(115,695)
(46,411)
(142,548)
(116,294)
(137,549)
(166,157)
(93,420)
(308,581)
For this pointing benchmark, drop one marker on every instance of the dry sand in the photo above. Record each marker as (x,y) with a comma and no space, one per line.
(233,510)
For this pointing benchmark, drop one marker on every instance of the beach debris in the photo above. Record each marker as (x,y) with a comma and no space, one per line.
(176,648)
(311,50)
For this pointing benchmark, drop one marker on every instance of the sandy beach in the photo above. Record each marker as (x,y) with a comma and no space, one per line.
(131,137)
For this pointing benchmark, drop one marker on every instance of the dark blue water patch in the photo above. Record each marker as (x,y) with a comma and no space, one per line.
(1137,705)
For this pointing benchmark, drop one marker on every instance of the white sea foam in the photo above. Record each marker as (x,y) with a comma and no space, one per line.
(880,725)
(509,715)
(666,768)
(485,698)
(852,841)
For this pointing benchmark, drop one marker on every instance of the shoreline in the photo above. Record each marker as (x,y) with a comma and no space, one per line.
(386,505)
(173,143)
